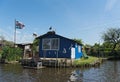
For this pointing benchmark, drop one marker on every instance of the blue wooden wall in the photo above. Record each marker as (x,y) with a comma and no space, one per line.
(64,51)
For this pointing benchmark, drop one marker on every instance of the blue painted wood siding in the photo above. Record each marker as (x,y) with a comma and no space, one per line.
(78,51)
(64,48)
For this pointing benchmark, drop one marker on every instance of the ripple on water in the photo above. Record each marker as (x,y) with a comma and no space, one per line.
(107,72)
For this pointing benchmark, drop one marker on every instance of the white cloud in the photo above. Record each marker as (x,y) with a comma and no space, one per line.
(110,4)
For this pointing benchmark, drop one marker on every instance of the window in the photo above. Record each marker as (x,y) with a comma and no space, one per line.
(46,44)
(54,43)
(79,49)
(50,44)
(27,47)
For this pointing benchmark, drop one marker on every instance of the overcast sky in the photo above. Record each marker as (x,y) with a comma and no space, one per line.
(82,19)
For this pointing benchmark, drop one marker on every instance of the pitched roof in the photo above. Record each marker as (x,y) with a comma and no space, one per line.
(53,33)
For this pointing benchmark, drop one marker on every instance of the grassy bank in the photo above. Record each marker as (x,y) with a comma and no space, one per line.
(89,61)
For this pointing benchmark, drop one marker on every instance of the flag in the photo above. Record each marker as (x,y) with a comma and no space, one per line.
(19,25)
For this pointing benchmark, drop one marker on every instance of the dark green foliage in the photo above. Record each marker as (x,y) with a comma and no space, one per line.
(112,37)
(11,53)
(93,50)
(35,45)
(110,46)
(78,41)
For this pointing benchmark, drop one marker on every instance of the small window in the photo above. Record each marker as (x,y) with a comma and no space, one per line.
(54,43)
(46,44)
(50,44)
(79,49)
(27,47)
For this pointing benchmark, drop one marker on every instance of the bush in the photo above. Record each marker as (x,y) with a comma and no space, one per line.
(11,53)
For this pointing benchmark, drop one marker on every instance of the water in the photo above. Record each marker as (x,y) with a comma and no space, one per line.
(108,72)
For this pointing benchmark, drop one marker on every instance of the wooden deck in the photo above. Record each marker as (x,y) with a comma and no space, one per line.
(47,62)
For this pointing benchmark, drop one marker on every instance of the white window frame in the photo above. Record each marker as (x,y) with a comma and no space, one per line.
(50,43)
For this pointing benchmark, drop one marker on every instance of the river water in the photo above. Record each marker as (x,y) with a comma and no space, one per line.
(109,71)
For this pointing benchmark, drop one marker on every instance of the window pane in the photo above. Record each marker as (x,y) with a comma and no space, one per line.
(46,43)
(54,43)
(79,49)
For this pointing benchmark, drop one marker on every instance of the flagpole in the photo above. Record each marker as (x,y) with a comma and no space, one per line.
(15,33)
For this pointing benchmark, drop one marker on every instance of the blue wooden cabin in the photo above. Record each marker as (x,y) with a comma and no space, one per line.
(52,45)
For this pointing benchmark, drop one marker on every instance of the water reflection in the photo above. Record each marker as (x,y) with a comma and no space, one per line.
(108,72)
(76,76)
(111,71)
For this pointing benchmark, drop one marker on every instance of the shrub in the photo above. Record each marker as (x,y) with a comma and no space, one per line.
(11,53)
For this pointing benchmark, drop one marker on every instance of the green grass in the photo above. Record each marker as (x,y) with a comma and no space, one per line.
(84,61)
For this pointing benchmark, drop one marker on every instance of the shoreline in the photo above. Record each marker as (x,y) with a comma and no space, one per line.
(78,63)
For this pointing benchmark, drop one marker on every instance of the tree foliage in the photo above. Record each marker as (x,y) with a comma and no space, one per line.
(11,53)
(78,41)
(112,36)
(35,44)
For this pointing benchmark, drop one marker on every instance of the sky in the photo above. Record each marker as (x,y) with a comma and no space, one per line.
(81,19)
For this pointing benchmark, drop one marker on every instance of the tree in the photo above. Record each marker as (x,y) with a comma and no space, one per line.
(11,53)
(1,40)
(78,41)
(35,46)
(112,36)
(4,42)
(88,49)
